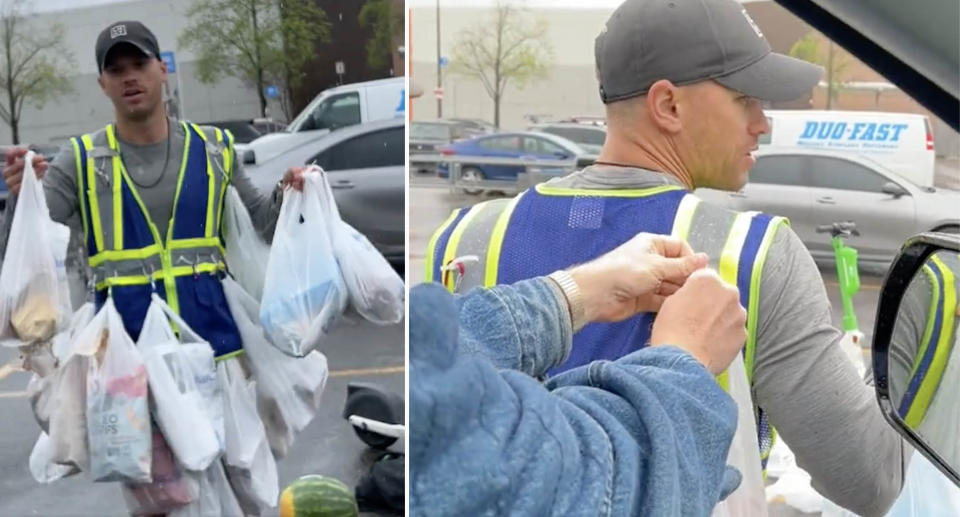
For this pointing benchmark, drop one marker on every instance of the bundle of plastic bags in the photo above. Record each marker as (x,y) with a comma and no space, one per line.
(176,367)
(246,252)
(304,294)
(288,388)
(34,292)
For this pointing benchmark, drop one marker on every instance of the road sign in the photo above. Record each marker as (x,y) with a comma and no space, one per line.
(340,68)
(272,92)
(168,58)
(444,61)
(438,92)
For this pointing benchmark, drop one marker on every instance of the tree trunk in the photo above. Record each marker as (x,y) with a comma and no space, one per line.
(496,111)
(256,45)
(15,130)
(830,85)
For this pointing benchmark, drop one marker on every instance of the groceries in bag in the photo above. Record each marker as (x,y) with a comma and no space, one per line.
(304,294)
(34,297)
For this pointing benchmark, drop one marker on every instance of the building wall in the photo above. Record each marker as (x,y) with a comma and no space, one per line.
(87,108)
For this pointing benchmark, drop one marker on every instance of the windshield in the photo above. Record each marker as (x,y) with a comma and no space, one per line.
(431,131)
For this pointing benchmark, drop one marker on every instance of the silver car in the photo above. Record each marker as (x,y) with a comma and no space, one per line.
(588,136)
(815,187)
(365,164)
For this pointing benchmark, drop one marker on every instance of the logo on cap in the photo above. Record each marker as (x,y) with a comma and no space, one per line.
(756,28)
(117,31)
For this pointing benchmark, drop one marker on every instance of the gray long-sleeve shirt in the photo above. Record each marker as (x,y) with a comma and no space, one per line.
(154,168)
(810,392)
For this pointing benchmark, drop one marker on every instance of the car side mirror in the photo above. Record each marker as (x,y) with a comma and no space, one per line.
(249,157)
(916,348)
(894,190)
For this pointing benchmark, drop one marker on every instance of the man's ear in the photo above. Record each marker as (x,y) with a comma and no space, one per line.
(100,82)
(662,99)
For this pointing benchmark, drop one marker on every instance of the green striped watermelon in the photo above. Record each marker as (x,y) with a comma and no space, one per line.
(317,496)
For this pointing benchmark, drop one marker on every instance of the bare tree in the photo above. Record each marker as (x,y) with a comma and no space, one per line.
(260,42)
(33,63)
(512,47)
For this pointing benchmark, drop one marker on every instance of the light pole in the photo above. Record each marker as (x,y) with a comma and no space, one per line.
(439,78)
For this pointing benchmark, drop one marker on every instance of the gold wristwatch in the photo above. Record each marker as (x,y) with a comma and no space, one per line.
(571,291)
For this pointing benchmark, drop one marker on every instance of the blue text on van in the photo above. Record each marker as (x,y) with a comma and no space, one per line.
(862,131)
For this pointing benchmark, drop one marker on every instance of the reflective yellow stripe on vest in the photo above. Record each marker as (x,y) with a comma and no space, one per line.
(491,272)
(211,180)
(92,194)
(450,252)
(729,261)
(931,380)
(432,245)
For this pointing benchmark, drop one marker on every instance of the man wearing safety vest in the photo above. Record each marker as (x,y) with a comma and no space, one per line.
(683,83)
(925,355)
(148,192)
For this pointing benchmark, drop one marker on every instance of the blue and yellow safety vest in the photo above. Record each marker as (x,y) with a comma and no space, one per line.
(551,227)
(937,342)
(126,254)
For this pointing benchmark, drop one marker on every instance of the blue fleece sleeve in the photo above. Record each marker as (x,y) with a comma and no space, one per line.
(647,434)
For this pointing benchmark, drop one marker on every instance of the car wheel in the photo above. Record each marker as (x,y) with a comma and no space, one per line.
(471,175)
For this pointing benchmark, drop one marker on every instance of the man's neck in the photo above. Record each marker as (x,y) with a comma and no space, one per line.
(150,130)
(644,153)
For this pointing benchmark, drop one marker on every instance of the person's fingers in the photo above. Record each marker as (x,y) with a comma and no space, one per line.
(16,152)
(678,269)
(671,247)
(41,169)
(667,288)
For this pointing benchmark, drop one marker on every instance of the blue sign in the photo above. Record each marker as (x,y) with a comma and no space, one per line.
(272,92)
(444,61)
(403,103)
(171,63)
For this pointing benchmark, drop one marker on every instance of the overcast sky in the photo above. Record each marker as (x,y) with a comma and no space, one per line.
(560,4)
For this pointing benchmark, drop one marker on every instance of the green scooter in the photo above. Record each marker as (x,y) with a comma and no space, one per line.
(848,279)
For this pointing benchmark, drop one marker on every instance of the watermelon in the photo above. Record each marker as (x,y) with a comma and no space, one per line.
(317,496)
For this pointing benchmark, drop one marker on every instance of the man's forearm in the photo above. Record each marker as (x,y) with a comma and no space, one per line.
(264,208)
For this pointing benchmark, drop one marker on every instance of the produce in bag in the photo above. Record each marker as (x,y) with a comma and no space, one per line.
(42,466)
(216,498)
(118,419)
(68,414)
(178,403)
(376,291)
(170,489)
(304,294)
(243,429)
(34,297)
(246,252)
(288,388)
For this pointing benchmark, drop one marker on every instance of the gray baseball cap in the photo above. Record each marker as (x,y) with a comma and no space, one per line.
(687,41)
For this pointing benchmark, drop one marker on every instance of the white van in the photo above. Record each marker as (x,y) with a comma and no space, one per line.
(903,142)
(334,108)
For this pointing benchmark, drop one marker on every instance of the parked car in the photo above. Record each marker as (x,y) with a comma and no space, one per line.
(427,137)
(332,109)
(589,136)
(476,125)
(245,131)
(365,164)
(528,145)
(815,187)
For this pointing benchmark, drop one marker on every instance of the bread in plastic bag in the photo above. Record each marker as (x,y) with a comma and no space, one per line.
(118,418)
(178,405)
(68,416)
(304,294)
(288,388)
(34,295)
(170,488)
(246,253)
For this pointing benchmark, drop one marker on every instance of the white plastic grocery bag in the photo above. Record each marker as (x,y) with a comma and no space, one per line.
(42,466)
(118,419)
(288,388)
(247,253)
(216,498)
(376,290)
(258,487)
(304,293)
(178,403)
(171,487)
(34,295)
(243,429)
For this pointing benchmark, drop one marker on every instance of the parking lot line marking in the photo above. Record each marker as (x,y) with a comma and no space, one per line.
(368,371)
(9,368)
(13,394)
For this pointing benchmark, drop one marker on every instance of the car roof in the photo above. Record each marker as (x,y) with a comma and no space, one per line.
(916,48)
